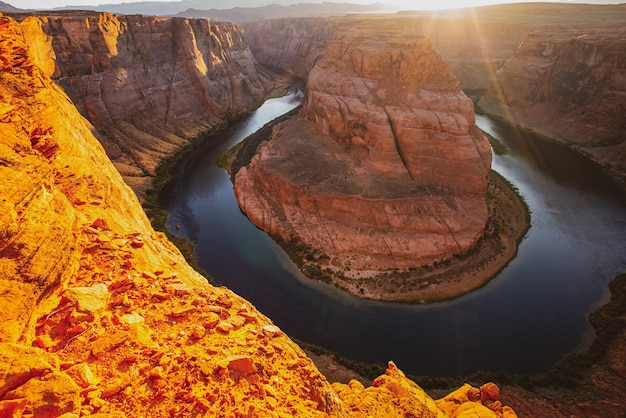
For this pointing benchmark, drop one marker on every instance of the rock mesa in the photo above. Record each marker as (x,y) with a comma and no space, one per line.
(385,169)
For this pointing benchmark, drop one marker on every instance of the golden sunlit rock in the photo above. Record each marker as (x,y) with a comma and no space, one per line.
(95,324)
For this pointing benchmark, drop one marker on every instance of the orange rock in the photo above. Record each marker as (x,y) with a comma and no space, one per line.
(271,330)
(19,364)
(243,365)
(82,375)
(225,327)
(100,224)
(489,391)
(182,311)
(237,321)
(107,343)
(13,408)
(89,299)
(137,243)
(49,397)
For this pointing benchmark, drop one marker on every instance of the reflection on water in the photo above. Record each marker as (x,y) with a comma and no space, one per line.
(525,320)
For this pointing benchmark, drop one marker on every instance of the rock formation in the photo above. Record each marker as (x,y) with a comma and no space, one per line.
(386,170)
(147,84)
(569,85)
(293,45)
(102,316)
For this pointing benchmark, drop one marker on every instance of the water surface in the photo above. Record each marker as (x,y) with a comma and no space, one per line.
(526,319)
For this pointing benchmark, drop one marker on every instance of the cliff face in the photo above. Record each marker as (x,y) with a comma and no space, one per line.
(102,316)
(569,85)
(385,170)
(147,84)
(290,44)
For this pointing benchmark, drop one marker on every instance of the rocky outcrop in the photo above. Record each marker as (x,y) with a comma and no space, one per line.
(147,84)
(385,170)
(569,85)
(102,316)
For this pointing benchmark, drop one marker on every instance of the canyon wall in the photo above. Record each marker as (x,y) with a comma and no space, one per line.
(102,316)
(569,85)
(292,45)
(147,84)
(385,170)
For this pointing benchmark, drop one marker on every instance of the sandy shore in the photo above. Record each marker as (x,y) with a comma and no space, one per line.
(508,222)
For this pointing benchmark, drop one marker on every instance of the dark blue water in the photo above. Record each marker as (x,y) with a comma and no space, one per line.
(523,321)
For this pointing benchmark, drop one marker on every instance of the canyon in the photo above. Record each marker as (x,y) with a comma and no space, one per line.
(87,283)
(102,315)
(385,169)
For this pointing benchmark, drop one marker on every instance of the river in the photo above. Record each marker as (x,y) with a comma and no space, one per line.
(525,320)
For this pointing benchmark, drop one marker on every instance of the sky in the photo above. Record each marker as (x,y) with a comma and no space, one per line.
(405,4)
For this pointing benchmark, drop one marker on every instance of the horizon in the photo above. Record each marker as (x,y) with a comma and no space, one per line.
(395,4)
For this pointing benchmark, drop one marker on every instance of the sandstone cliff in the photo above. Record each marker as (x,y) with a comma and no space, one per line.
(147,84)
(102,316)
(386,170)
(292,45)
(569,85)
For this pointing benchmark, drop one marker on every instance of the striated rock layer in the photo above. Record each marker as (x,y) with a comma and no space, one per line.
(569,85)
(147,84)
(385,169)
(102,316)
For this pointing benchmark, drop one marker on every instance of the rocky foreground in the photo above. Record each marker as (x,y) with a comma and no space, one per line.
(385,170)
(101,316)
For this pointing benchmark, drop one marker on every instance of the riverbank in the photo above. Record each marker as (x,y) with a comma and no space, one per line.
(608,156)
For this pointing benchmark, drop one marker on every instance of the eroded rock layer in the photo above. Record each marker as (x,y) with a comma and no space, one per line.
(147,84)
(102,316)
(385,169)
